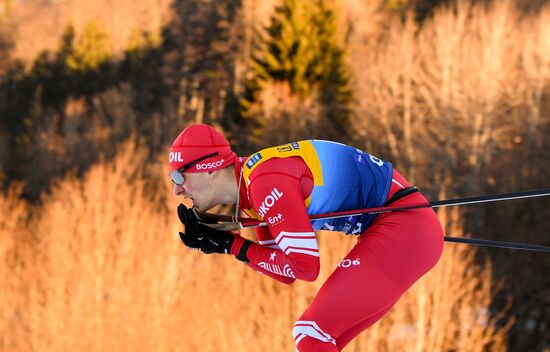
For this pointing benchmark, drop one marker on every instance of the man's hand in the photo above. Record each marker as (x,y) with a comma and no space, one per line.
(192,241)
(201,237)
(187,216)
(221,241)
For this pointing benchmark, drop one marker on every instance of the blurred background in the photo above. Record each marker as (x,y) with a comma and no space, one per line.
(92,93)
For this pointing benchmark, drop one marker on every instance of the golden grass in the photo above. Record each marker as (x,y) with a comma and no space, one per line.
(98,266)
(102,269)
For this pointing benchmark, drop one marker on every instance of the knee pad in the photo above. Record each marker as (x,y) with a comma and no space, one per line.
(308,328)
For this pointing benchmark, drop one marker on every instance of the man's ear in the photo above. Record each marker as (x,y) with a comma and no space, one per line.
(213,174)
(218,173)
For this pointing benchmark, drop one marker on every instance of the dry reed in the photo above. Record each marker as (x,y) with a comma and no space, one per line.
(104,271)
(99,266)
(464,83)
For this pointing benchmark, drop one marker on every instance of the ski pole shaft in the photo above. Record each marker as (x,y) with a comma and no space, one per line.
(247,222)
(250,223)
(499,244)
(436,204)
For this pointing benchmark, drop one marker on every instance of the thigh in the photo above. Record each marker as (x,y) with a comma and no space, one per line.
(404,245)
(355,292)
(387,259)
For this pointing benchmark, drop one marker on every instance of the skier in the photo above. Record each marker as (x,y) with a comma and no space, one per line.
(283,185)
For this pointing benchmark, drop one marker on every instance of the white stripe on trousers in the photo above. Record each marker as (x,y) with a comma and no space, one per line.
(303,328)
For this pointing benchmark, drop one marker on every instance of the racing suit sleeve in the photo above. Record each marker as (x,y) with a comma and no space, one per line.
(278,199)
(266,240)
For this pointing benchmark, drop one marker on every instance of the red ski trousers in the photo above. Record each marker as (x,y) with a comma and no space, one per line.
(389,257)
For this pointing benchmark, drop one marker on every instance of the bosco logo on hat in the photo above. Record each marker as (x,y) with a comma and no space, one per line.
(200,148)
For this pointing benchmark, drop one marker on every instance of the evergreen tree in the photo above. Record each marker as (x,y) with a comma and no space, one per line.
(300,46)
(6,36)
(91,50)
(200,47)
(87,60)
(140,67)
(6,45)
(51,74)
(335,93)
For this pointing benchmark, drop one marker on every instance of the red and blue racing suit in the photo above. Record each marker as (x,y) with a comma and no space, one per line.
(284,185)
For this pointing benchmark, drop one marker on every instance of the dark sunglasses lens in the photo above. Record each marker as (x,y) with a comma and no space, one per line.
(176,177)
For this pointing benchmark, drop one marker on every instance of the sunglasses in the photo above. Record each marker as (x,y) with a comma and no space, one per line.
(177,175)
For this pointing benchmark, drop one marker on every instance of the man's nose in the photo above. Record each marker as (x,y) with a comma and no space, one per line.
(179,190)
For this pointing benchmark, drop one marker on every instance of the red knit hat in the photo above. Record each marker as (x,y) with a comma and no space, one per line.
(195,143)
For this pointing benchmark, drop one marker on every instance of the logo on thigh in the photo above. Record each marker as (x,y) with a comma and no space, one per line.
(346,263)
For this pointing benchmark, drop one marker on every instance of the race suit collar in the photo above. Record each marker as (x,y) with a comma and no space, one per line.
(244,202)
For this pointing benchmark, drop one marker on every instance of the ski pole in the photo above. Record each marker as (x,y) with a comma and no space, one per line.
(499,244)
(243,223)
(230,223)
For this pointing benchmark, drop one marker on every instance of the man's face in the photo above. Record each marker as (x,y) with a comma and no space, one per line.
(200,187)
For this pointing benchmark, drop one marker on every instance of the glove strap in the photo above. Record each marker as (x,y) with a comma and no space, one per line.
(242,252)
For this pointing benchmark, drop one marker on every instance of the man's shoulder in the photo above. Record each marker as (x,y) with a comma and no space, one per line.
(277,165)
(279,158)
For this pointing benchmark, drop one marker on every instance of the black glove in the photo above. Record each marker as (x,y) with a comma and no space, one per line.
(191,241)
(206,239)
(201,237)
(187,216)
(221,241)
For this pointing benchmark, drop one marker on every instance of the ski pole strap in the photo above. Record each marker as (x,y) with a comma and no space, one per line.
(242,252)
(402,193)
(499,244)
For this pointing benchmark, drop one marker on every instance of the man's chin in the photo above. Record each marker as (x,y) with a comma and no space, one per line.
(198,206)
(201,208)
